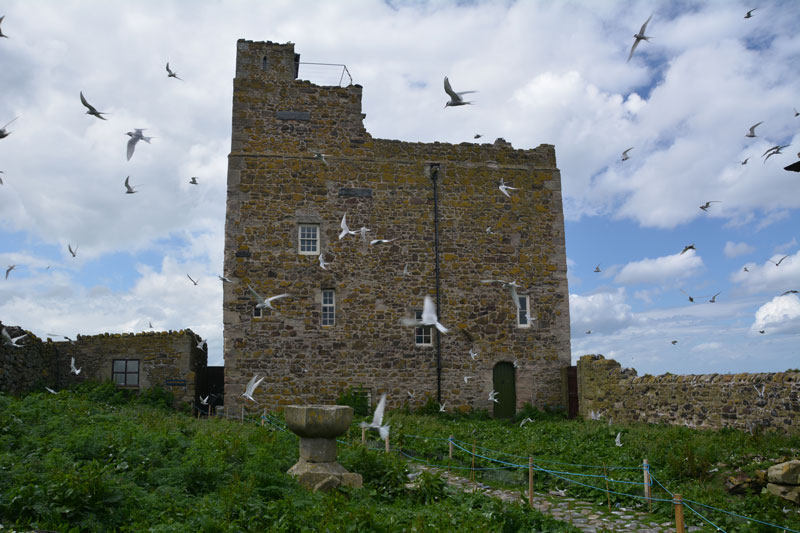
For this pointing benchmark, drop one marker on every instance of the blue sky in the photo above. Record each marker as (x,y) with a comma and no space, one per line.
(545,72)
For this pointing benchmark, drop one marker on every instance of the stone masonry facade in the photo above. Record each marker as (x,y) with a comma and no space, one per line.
(170,360)
(276,184)
(709,401)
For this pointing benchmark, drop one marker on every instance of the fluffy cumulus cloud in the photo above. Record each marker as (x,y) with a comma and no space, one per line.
(736,249)
(778,274)
(602,312)
(669,268)
(779,316)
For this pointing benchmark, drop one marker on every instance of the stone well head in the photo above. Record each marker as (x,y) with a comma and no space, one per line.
(318,421)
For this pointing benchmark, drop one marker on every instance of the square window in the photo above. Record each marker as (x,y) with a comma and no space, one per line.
(125,372)
(523,312)
(423,335)
(308,239)
(328,307)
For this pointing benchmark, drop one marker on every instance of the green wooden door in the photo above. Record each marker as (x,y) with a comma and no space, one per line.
(504,382)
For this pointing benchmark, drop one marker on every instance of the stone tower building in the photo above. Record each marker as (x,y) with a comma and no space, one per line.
(450,227)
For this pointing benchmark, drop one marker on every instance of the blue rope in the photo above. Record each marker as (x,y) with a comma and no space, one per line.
(704,518)
(744,517)
(552,461)
(452,467)
(652,478)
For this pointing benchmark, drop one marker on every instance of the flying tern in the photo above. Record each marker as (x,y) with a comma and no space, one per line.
(9,341)
(135,136)
(251,387)
(128,188)
(429,317)
(377,419)
(171,74)
(639,37)
(265,302)
(3,132)
(456,99)
(92,111)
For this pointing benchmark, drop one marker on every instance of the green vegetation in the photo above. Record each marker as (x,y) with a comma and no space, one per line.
(693,463)
(97,459)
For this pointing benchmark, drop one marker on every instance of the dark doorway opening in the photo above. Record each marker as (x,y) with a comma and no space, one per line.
(572,391)
(505,385)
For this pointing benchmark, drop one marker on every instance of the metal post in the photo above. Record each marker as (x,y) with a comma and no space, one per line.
(646,468)
(608,496)
(434,177)
(530,481)
(678,501)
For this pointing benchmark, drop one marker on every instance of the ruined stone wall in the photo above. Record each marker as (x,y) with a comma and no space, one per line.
(31,367)
(699,401)
(275,183)
(170,360)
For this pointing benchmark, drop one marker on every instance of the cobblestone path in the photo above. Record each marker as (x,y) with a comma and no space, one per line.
(583,515)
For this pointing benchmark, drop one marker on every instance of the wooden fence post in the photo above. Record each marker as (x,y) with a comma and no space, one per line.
(387,443)
(243,413)
(472,471)
(646,468)
(363,436)
(530,481)
(678,501)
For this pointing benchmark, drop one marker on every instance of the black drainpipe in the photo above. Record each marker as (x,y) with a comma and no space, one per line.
(434,178)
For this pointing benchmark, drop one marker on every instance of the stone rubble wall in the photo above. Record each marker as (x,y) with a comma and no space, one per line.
(275,183)
(708,401)
(164,356)
(31,367)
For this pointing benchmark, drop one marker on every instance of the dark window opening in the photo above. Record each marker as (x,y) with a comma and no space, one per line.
(125,372)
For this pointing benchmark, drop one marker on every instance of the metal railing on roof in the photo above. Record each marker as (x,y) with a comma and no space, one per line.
(327,74)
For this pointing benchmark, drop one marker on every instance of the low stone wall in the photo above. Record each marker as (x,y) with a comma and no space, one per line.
(31,367)
(167,359)
(709,401)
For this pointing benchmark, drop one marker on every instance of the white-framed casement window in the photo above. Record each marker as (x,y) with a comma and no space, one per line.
(328,307)
(308,239)
(256,312)
(524,312)
(125,372)
(423,335)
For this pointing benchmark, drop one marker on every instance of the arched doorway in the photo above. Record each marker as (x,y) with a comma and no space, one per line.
(505,385)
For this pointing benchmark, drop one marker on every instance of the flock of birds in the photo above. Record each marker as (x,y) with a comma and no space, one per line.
(429,316)
(775,150)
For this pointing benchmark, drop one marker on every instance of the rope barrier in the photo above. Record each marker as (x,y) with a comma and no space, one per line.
(703,517)
(556,473)
(741,516)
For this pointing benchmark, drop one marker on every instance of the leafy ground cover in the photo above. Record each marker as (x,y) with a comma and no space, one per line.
(97,459)
(692,463)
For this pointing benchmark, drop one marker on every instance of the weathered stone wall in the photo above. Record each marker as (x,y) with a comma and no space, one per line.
(31,367)
(275,183)
(170,360)
(699,401)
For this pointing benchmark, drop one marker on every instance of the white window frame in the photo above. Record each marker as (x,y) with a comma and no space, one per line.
(328,309)
(526,309)
(257,312)
(422,333)
(301,239)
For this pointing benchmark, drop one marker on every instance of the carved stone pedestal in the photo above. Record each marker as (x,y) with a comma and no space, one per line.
(318,426)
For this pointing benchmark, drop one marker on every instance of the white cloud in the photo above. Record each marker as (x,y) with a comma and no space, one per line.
(735,249)
(781,315)
(661,270)
(767,277)
(602,312)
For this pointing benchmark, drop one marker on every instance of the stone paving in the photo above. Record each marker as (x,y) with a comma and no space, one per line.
(583,515)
